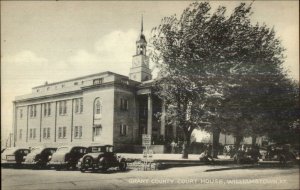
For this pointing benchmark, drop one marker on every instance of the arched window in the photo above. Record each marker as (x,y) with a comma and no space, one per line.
(98,107)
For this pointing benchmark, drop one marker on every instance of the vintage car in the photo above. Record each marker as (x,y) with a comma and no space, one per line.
(39,157)
(247,154)
(14,156)
(101,158)
(67,157)
(281,153)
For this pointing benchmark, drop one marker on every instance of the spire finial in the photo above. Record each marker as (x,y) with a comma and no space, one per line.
(142,25)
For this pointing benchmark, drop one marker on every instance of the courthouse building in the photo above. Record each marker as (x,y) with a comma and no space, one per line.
(102,108)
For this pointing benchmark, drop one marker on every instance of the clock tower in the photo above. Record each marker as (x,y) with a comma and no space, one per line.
(140,70)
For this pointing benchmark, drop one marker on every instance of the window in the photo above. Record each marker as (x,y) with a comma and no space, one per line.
(78,105)
(62,132)
(45,110)
(63,107)
(124,104)
(59,132)
(98,130)
(98,107)
(46,133)
(32,110)
(81,105)
(21,113)
(98,81)
(123,130)
(78,132)
(49,109)
(20,134)
(32,134)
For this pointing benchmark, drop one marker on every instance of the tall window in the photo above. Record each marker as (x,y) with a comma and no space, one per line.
(59,132)
(78,132)
(49,109)
(32,133)
(62,132)
(124,104)
(46,133)
(97,130)
(81,105)
(45,109)
(123,130)
(32,110)
(63,107)
(98,107)
(78,105)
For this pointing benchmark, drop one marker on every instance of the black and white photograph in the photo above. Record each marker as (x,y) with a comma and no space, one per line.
(166,95)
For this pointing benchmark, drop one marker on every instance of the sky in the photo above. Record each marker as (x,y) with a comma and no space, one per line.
(56,40)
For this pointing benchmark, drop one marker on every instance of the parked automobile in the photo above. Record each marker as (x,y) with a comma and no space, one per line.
(101,157)
(247,155)
(280,152)
(39,156)
(14,156)
(67,157)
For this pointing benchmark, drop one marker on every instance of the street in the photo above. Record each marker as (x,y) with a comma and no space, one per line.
(175,178)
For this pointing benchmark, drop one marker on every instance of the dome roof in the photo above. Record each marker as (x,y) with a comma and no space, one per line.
(142,38)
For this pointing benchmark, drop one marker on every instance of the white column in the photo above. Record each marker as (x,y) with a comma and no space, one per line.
(149,118)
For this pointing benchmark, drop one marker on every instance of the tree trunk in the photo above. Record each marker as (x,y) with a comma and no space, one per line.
(238,140)
(215,145)
(253,141)
(186,145)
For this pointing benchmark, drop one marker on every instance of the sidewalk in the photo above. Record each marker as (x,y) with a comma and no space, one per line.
(175,160)
(174,157)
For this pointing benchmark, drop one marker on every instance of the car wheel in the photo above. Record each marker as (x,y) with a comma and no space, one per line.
(87,163)
(103,164)
(123,165)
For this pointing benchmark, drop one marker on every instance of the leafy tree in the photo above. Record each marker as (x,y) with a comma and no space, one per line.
(216,71)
